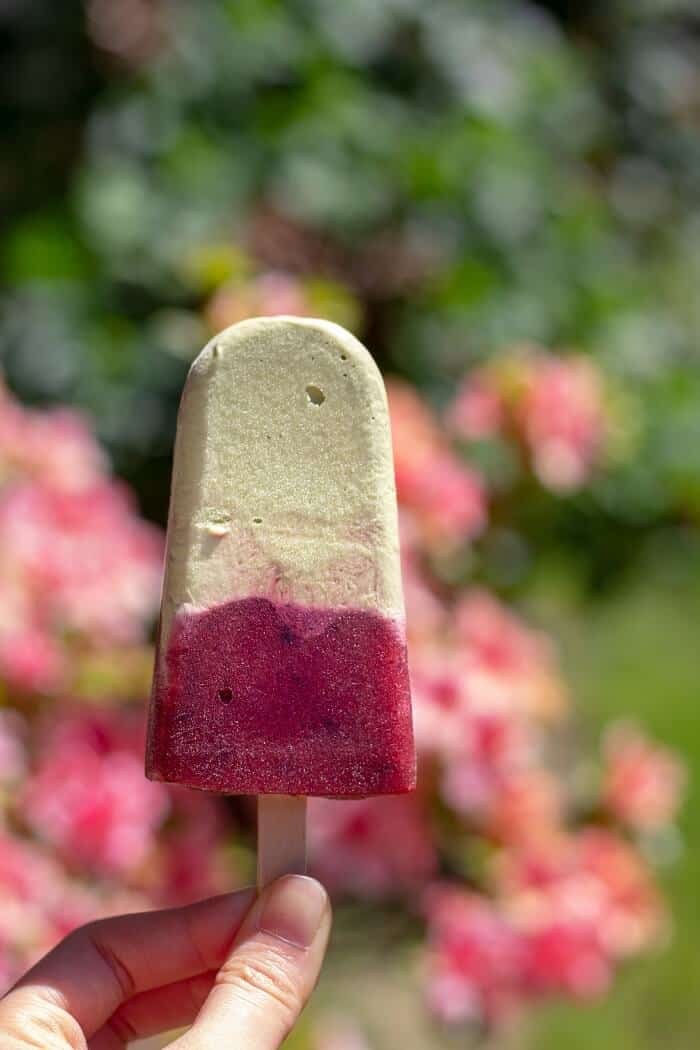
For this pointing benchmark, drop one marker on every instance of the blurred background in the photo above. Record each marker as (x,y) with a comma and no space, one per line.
(501,198)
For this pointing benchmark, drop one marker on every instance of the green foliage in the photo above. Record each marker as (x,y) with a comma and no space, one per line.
(455,177)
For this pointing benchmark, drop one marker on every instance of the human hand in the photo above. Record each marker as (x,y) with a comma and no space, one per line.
(239,970)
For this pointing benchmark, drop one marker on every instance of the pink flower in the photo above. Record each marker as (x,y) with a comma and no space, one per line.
(32,660)
(25,874)
(88,796)
(562,419)
(61,450)
(74,556)
(416,436)
(71,561)
(13,759)
(566,958)
(33,891)
(511,807)
(40,904)
(192,860)
(426,615)
(643,782)
(477,411)
(192,866)
(493,773)
(55,447)
(440,699)
(479,780)
(279,293)
(592,878)
(497,641)
(268,294)
(506,656)
(474,958)
(450,497)
(553,406)
(447,497)
(373,846)
(634,917)
(528,807)
(482,683)
(561,913)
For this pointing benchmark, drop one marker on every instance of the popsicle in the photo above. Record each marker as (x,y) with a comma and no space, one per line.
(281,660)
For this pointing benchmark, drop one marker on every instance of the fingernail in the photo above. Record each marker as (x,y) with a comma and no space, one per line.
(292,909)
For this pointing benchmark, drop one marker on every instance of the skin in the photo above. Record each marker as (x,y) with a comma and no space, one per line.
(237,969)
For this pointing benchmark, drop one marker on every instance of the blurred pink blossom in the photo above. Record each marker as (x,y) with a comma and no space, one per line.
(192,861)
(32,660)
(54,446)
(497,641)
(426,615)
(90,564)
(635,918)
(477,411)
(474,958)
(643,783)
(13,757)
(354,844)
(75,558)
(417,439)
(566,958)
(450,498)
(552,406)
(89,798)
(483,687)
(564,913)
(440,695)
(71,561)
(192,865)
(593,877)
(38,905)
(528,807)
(266,295)
(562,418)
(446,496)
(503,655)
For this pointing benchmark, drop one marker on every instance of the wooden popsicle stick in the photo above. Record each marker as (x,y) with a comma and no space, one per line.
(281,837)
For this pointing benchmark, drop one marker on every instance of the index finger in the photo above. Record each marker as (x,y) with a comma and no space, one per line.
(101,965)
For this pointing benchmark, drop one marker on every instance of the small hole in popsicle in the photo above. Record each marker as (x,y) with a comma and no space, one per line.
(315,394)
(257,521)
(225,696)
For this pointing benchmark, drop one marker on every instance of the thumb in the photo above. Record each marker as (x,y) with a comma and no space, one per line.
(270,973)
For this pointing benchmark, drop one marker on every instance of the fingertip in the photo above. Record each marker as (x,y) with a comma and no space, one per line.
(271,970)
(292,908)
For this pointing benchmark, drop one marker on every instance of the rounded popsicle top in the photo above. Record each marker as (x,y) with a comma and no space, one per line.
(288,333)
(283,481)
